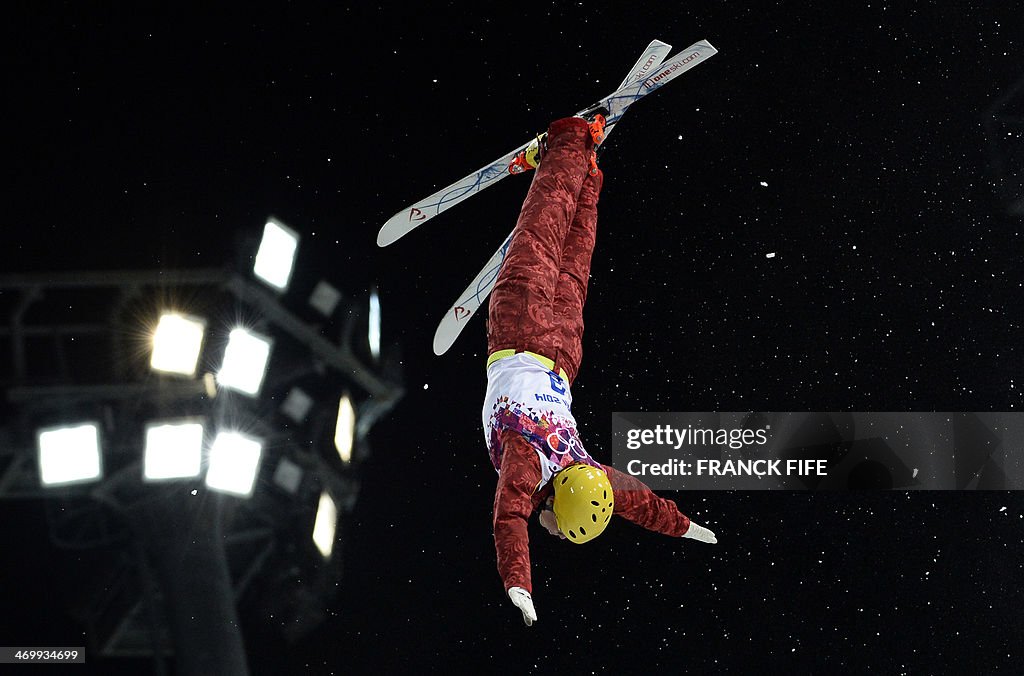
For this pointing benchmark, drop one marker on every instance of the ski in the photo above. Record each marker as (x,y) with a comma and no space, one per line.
(473,297)
(478,290)
(651,79)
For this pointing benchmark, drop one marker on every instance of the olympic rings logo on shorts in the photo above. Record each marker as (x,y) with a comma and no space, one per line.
(563,441)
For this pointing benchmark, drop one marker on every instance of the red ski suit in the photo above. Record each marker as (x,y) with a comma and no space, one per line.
(537,306)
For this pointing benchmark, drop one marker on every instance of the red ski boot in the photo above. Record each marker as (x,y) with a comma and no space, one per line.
(528,158)
(596,121)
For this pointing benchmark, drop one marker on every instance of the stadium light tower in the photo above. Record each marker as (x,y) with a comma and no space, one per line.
(60,382)
(276,255)
(177,342)
(69,454)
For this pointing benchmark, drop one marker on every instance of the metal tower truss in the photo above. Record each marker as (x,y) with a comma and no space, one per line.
(79,347)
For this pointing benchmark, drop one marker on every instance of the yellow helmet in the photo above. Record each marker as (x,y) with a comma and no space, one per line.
(583,502)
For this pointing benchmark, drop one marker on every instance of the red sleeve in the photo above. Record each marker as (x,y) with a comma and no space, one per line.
(514,502)
(636,502)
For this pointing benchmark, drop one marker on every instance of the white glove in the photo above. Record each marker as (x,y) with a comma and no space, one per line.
(524,602)
(698,532)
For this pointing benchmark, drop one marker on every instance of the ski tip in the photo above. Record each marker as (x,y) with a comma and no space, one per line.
(391,232)
(441,343)
(449,328)
(705,43)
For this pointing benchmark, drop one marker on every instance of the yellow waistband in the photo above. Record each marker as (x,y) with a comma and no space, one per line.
(549,364)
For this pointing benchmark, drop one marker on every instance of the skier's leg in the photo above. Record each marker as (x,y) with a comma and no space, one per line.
(521,310)
(574,271)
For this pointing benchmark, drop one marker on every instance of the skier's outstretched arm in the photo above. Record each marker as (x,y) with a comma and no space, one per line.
(636,502)
(513,504)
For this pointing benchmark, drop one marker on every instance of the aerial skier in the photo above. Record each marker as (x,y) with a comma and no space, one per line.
(534,347)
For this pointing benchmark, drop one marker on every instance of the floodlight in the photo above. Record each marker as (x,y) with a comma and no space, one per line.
(297,404)
(345,429)
(69,454)
(276,255)
(245,361)
(174,450)
(234,461)
(325,525)
(288,476)
(374,328)
(176,344)
(325,298)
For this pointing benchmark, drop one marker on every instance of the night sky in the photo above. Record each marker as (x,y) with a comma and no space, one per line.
(849,143)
